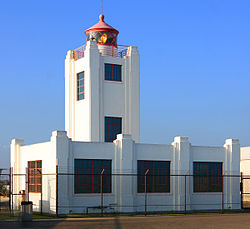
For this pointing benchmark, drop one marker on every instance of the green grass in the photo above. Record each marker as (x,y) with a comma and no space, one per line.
(16,216)
(44,216)
(7,216)
(154,214)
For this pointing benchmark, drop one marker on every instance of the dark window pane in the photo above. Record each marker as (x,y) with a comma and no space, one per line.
(39,187)
(80,86)
(157,178)
(207,176)
(32,164)
(113,126)
(113,72)
(39,164)
(31,188)
(88,175)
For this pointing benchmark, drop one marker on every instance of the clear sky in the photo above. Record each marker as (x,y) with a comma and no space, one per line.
(195,66)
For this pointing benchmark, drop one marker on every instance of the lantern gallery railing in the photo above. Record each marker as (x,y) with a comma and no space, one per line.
(120,52)
(79,52)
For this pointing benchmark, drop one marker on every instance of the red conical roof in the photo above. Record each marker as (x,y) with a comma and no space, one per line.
(101,26)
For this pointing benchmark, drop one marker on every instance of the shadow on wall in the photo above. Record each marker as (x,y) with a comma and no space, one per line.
(48,199)
(45,207)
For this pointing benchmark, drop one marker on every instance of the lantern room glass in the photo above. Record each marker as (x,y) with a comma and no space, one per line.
(104,38)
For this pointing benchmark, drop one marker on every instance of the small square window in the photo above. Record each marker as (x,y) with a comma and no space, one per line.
(157,178)
(113,72)
(113,126)
(88,176)
(208,177)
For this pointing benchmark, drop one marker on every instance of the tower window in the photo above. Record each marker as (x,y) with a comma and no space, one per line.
(88,176)
(35,176)
(157,178)
(113,126)
(80,86)
(113,72)
(208,177)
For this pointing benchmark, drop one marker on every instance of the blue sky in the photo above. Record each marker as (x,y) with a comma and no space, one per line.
(195,66)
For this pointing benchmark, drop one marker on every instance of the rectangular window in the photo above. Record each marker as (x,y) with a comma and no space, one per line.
(35,176)
(113,72)
(88,176)
(157,178)
(208,177)
(113,126)
(80,86)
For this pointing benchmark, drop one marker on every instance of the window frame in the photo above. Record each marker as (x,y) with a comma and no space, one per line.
(79,86)
(35,177)
(204,180)
(118,132)
(154,176)
(113,79)
(94,178)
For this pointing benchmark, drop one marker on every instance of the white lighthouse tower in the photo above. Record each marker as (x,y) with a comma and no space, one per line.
(102,88)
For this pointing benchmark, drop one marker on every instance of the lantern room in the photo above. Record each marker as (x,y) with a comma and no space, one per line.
(105,36)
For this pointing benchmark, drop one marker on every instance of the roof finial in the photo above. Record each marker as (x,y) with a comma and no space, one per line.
(101,6)
(101,17)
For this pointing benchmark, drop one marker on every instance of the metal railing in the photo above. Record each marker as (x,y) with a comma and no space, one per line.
(121,51)
(79,52)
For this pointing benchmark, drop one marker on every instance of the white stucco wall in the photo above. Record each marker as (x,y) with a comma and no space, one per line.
(84,119)
(245,170)
(42,151)
(245,161)
(125,153)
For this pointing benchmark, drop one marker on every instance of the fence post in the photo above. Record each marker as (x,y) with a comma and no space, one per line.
(10,190)
(0,191)
(56,190)
(27,177)
(145,189)
(241,190)
(185,210)
(102,190)
(41,210)
(222,195)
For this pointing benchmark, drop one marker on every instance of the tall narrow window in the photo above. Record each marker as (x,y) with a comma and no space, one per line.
(35,176)
(157,178)
(113,126)
(80,86)
(208,177)
(113,72)
(88,176)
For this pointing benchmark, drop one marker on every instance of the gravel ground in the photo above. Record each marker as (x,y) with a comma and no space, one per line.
(230,221)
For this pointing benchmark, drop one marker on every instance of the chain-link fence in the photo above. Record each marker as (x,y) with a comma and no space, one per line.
(4,193)
(245,191)
(106,193)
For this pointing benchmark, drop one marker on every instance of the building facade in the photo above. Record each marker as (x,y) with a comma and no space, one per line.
(245,171)
(125,164)
(98,163)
